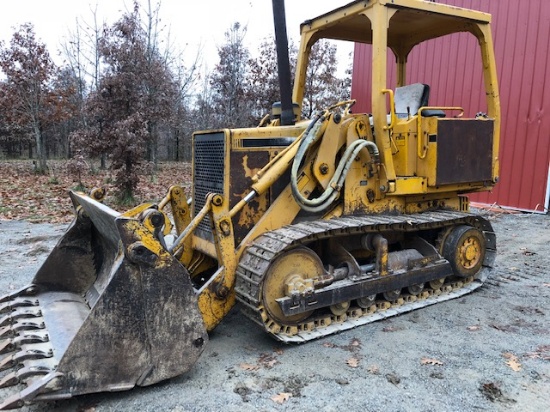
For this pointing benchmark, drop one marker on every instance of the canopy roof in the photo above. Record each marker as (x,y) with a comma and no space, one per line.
(414,21)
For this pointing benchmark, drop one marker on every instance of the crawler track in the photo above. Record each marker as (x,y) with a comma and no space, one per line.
(259,256)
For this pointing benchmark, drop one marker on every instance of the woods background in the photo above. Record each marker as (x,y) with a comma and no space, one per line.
(126,98)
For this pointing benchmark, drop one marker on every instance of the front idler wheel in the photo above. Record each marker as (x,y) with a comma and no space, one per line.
(464,248)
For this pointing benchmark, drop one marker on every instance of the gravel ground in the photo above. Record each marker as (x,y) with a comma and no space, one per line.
(489,350)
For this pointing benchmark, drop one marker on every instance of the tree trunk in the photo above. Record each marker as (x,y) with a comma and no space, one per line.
(42,166)
(177,145)
(152,145)
(128,186)
(68,152)
(155,155)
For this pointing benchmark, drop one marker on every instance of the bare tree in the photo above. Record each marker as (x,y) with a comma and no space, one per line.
(186,77)
(263,79)
(231,107)
(203,113)
(161,49)
(81,51)
(323,87)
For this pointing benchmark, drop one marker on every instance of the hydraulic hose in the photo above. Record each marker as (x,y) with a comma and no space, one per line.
(333,189)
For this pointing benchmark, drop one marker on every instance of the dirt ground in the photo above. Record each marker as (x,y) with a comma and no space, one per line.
(489,350)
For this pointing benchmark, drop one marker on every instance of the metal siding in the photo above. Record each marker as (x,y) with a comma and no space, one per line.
(521,34)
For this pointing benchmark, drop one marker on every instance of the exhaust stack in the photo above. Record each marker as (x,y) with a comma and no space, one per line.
(283,62)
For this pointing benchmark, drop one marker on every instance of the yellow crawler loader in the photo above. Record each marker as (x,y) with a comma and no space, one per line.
(312,226)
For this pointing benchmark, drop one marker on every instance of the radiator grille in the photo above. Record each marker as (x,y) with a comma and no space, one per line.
(208,174)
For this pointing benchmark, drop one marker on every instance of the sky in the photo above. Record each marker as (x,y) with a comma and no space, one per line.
(192,24)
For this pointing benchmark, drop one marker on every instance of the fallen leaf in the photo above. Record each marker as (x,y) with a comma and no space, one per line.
(278,351)
(353,362)
(513,361)
(271,363)
(329,345)
(36,198)
(267,360)
(473,328)
(375,370)
(281,397)
(248,367)
(430,361)
(390,329)
(355,342)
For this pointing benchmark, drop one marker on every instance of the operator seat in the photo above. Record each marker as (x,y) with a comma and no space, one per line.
(408,99)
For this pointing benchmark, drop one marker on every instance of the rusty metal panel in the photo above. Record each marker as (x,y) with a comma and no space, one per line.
(521,34)
(244,165)
(464,151)
(247,157)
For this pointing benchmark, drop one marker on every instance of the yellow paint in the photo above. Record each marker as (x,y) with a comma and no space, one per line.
(249,214)
(146,238)
(410,185)
(136,211)
(217,296)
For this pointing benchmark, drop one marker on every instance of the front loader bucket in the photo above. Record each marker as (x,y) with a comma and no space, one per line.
(109,309)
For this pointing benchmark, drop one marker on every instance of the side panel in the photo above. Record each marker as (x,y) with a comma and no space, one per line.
(249,154)
(464,151)
(244,165)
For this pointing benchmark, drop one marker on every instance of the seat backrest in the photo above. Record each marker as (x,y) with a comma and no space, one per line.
(413,97)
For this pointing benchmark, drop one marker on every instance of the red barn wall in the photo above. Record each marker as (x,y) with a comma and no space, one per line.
(521,34)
